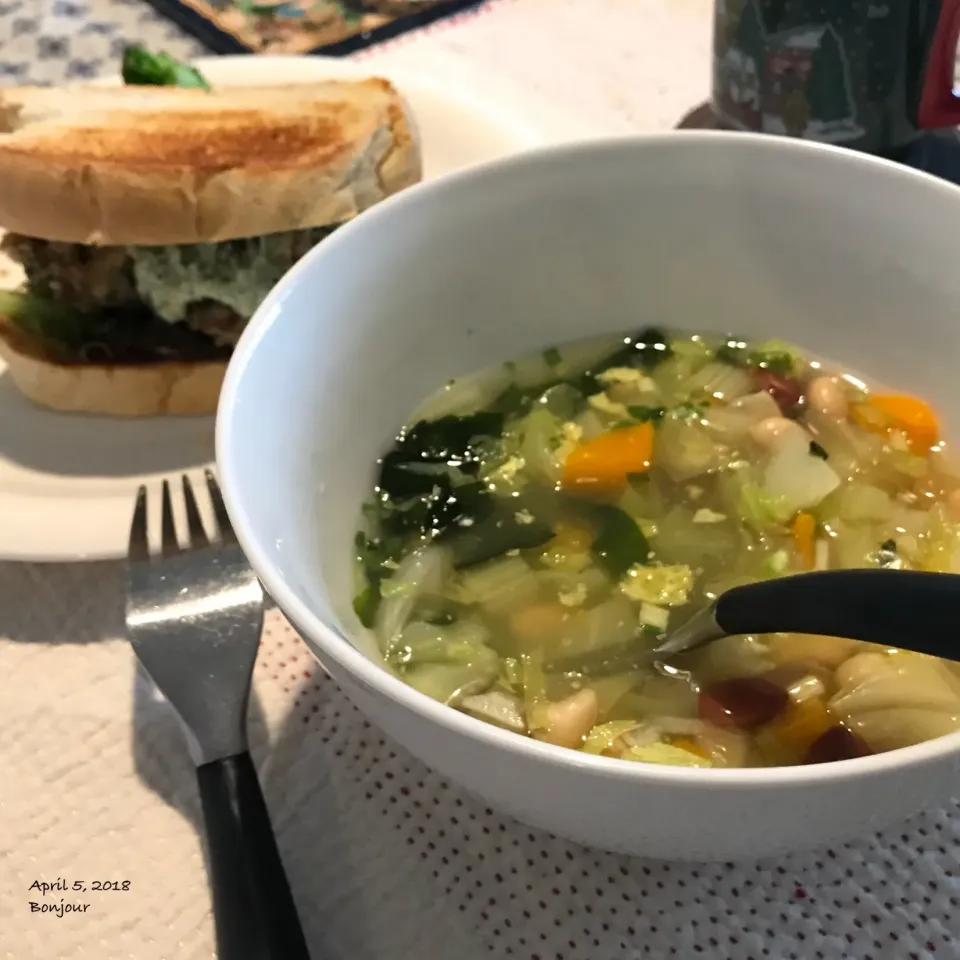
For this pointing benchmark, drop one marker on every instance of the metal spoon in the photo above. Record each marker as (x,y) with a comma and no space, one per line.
(897,608)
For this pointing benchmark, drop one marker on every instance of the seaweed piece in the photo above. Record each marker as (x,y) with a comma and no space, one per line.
(887,555)
(451,438)
(509,527)
(427,481)
(424,453)
(438,511)
(646,350)
(460,507)
(619,543)
(401,477)
(513,402)
(373,554)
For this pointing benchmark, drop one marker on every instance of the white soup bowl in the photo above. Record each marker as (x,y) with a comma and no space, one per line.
(848,256)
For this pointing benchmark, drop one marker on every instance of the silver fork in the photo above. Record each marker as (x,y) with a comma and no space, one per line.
(194,616)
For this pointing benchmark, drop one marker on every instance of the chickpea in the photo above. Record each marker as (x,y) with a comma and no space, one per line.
(829,652)
(568,721)
(860,667)
(826,395)
(768,433)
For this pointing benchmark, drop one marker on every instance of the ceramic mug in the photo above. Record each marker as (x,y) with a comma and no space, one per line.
(866,74)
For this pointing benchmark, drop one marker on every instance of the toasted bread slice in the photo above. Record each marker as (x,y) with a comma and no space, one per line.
(163,165)
(160,388)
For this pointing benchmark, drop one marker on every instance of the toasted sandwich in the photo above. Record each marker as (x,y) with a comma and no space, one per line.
(144,225)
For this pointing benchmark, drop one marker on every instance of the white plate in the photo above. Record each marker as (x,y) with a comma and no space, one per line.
(67,482)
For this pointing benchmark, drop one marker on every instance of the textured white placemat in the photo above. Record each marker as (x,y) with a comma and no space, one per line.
(386,861)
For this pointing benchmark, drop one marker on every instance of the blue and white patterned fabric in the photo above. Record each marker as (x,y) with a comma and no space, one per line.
(56,41)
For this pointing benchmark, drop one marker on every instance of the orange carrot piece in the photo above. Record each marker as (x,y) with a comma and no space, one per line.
(804,530)
(898,411)
(600,466)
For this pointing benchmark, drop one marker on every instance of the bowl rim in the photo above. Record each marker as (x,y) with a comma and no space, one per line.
(365,671)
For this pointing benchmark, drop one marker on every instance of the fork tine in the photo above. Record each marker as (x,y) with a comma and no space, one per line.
(139,548)
(198,536)
(220,511)
(169,532)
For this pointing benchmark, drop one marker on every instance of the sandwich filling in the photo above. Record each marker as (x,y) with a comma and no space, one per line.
(85,304)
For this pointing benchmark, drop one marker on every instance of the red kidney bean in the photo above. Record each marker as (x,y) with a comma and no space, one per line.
(837,743)
(787,391)
(744,703)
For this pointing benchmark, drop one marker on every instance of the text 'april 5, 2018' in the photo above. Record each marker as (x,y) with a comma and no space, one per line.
(59,906)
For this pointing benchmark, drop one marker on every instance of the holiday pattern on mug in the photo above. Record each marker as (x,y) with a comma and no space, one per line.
(798,79)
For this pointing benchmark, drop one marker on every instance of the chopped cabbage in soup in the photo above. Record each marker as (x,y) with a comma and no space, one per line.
(538,527)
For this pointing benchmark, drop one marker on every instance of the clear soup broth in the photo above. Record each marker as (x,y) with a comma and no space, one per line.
(538,527)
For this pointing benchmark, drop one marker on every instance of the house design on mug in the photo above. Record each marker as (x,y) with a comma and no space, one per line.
(795,82)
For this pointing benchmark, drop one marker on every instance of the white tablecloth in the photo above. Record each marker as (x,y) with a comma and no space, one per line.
(386,861)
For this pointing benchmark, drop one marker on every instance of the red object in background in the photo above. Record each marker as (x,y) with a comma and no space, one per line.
(939,105)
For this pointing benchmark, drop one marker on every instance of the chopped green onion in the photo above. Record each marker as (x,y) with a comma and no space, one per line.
(733,352)
(646,414)
(781,363)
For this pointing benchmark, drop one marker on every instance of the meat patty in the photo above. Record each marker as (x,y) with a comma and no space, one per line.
(213,288)
(81,276)
(219,322)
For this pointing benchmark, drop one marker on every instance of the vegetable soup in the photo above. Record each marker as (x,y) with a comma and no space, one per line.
(538,527)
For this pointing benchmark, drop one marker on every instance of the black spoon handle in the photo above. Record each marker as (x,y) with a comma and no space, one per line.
(898,608)
(253,909)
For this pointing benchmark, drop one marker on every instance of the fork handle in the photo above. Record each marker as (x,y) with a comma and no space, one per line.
(910,609)
(253,909)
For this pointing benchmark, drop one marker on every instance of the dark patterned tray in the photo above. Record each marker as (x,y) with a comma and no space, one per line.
(332,27)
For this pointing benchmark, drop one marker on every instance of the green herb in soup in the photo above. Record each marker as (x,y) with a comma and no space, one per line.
(538,527)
